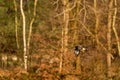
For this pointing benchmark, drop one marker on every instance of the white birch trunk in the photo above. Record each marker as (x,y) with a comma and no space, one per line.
(31,25)
(109,55)
(64,39)
(24,34)
(113,26)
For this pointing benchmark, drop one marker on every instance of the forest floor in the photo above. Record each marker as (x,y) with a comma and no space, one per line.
(46,67)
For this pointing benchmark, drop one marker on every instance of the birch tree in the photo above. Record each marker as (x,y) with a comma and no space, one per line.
(16,23)
(109,55)
(75,23)
(96,20)
(64,39)
(114,27)
(30,27)
(24,34)
(76,31)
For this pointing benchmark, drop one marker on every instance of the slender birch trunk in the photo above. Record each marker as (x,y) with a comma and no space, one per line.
(75,35)
(61,54)
(75,23)
(24,34)
(31,25)
(66,20)
(16,23)
(64,39)
(113,26)
(78,64)
(109,55)
(96,21)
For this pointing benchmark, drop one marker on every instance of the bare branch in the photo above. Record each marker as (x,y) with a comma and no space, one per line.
(67,10)
(93,36)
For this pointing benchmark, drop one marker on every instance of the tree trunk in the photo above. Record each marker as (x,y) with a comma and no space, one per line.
(16,23)
(66,20)
(78,65)
(96,21)
(75,22)
(64,39)
(109,55)
(75,35)
(31,25)
(24,34)
(113,26)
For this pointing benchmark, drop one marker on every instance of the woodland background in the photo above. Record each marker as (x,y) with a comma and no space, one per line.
(42,38)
